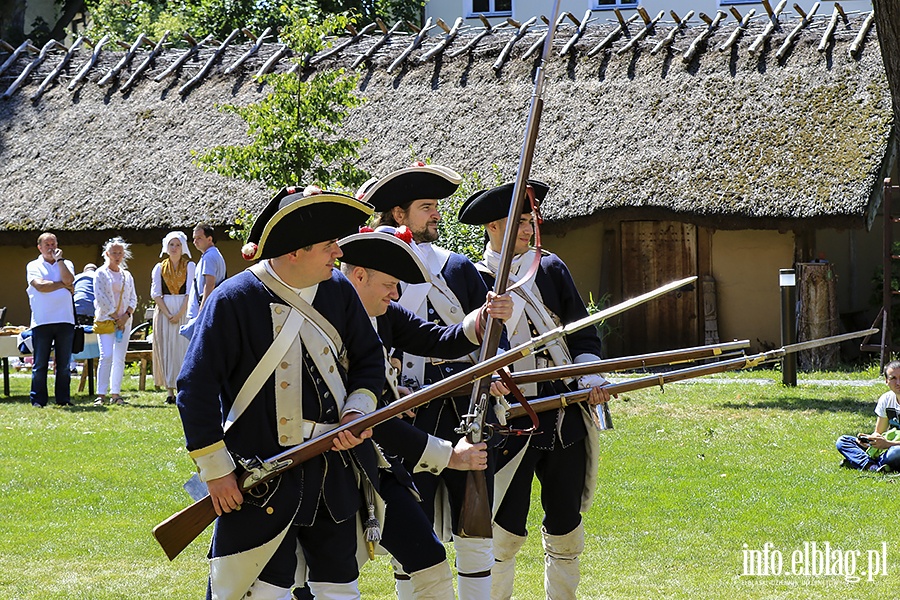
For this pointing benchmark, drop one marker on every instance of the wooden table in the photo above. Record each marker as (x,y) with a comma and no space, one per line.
(8,347)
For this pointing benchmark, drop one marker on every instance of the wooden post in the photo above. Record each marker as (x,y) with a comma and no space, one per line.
(818,315)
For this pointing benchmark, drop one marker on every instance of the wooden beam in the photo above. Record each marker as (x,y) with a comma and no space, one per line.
(711,26)
(146,64)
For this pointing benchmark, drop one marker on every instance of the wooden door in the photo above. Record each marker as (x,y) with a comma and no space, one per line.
(653,254)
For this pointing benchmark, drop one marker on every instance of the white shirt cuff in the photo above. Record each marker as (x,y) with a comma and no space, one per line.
(213,461)
(361,401)
(436,456)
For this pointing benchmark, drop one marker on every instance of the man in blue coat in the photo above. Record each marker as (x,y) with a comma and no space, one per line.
(375,263)
(283,352)
(563,452)
(409,197)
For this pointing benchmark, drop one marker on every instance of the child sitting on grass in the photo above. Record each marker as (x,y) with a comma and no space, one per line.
(879,450)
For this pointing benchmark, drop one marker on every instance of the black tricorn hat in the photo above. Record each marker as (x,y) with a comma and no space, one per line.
(406,185)
(386,253)
(294,219)
(492,205)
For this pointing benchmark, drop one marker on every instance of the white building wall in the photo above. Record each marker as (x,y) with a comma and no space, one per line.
(522,10)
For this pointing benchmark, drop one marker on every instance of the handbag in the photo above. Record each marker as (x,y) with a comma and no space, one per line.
(78,340)
(108,325)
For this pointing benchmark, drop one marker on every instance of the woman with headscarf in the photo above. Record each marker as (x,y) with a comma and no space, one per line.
(171,280)
(114,300)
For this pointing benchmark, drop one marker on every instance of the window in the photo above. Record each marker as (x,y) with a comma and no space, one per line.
(492,7)
(610,4)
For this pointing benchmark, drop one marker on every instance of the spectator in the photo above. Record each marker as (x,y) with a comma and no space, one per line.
(115,300)
(170,281)
(877,451)
(84,295)
(50,286)
(209,274)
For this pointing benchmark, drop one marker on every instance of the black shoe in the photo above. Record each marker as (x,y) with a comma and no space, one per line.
(66,403)
(170,399)
(37,404)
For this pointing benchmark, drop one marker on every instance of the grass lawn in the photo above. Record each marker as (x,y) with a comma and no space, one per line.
(691,480)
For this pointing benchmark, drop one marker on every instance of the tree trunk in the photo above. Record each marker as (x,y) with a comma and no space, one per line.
(887,23)
(12,21)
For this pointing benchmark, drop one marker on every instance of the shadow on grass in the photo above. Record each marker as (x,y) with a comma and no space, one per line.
(817,404)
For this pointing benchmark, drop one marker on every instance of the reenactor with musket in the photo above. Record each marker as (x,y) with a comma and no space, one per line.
(409,197)
(282,353)
(562,450)
(375,263)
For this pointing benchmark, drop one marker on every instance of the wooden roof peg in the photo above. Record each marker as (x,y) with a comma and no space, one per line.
(417,41)
(580,29)
(124,62)
(804,22)
(768,8)
(204,71)
(538,44)
(856,44)
(670,37)
(98,48)
(614,34)
(642,33)
(738,31)
(711,26)
(352,30)
(507,50)
(831,27)
(643,12)
(333,51)
(270,63)
(770,28)
(31,66)
(185,56)
(620,18)
(7,47)
(58,69)
(148,60)
(189,38)
(488,30)
(442,25)
(258,42)
(381,25)
(370,52)
(444,43)
(23,47)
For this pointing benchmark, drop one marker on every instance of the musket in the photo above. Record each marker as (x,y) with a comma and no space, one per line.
(745,362)
(175,533)
(653,359)
(475,515)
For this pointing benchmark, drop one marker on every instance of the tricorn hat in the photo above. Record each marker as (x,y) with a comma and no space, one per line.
(385,252)
(492,205)
(294,219)
(406,185)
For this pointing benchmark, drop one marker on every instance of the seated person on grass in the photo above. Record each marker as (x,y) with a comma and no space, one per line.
(879,450)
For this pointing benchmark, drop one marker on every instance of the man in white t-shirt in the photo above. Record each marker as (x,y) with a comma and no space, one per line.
(209,274)
(879,450)
(50,287)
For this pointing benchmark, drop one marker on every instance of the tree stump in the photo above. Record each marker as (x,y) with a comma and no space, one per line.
(817,314)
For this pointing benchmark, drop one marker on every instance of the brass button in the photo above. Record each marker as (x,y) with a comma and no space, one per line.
(326,395)
(285,385)
(409,364)
(505,452)
(326,350)
(278,329)
(284,438)
(285,365)
(278,310)
(331,369)
(434,470)
(424,465)
(283,421)
(453,310)
(269,510)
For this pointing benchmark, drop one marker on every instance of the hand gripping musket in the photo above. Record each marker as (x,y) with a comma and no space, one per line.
(175,533)
(745,362)
(475,515)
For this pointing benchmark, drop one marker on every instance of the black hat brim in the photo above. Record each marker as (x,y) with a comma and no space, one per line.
(410,184)
(292,221)
(491,205)
(386,253)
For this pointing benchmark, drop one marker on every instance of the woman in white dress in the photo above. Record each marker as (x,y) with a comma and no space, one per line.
(170,283)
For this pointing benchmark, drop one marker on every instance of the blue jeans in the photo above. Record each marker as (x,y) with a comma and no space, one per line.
(44,339)
(858,458)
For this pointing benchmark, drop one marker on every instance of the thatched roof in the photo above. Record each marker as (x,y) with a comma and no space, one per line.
(728,139)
